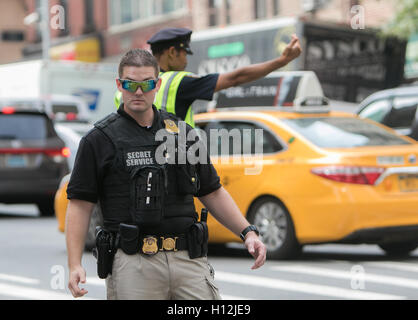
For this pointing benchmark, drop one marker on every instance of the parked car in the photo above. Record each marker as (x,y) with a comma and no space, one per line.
(395,108)
(322,176)
(33,159)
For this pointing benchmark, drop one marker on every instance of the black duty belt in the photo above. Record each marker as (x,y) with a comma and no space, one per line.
(152,244)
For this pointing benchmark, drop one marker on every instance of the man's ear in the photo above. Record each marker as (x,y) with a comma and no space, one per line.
(158,85)
(172,51)
(118,85)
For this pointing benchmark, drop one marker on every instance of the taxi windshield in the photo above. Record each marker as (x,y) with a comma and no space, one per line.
(342,132)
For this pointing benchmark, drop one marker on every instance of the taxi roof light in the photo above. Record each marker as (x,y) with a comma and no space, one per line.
(308,104)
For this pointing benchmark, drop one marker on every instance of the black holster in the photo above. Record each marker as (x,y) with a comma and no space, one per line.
(198,236)
(129,238)
(105,251)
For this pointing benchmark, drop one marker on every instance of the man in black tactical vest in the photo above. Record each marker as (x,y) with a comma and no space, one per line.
(152,245)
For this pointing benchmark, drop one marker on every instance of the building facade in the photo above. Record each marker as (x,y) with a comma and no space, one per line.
(102,30)
(12,30)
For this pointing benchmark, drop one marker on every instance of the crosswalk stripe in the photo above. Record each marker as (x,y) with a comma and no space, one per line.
(24,280)
(33,293)
(314,289)
(394,265)
(100,282)
(228,297)
(95,281)
(368,277)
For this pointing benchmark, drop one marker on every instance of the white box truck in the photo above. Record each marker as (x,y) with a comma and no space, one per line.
(58,85)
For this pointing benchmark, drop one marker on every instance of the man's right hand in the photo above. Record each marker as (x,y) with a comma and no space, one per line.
(77,275)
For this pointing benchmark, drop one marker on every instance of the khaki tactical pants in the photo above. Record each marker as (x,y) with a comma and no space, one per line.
(166,275)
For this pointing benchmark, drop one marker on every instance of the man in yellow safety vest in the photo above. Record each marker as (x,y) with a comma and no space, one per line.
(179,89)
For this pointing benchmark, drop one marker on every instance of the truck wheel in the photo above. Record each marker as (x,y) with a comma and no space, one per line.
(95,220)
(276,228)
(398,248)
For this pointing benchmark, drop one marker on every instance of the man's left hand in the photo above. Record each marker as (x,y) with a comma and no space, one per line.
(292,50)
(256,248)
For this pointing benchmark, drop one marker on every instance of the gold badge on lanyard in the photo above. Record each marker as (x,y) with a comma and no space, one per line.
(150,246)
(171,126)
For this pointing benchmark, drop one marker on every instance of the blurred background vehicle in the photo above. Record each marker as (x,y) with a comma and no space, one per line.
(60,205)
(33,158)
(351,63)
(62,86)
(71,133)
(395,108)
(326,177)
(59,107)
(276,89)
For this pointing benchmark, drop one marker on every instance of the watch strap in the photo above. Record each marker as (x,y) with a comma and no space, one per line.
(248,229)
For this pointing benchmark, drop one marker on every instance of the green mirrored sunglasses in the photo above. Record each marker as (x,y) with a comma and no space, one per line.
(132,86)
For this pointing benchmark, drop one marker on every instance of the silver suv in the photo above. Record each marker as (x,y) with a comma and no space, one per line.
(33,159)
(395,108)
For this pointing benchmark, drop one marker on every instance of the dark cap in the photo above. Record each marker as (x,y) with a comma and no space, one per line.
(165,38)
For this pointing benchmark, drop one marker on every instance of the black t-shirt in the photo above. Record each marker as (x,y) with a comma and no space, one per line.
(193,88)
(95,157)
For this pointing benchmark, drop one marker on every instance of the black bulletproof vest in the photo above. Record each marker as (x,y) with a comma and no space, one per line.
(135,149)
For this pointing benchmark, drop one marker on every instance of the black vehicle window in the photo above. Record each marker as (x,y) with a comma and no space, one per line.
(376,111)
(340,132)
(235,137)
(23,127)
(402,113)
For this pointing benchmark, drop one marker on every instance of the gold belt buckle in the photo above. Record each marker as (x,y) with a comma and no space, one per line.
(169,244)
(150,245)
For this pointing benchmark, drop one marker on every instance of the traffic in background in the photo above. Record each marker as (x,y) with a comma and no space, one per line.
(327,176)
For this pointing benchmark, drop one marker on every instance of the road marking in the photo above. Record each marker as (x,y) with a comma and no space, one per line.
(302,287)
(394,265)
(34,294)
(228,297)
(94,281)
(368,277)
(101,282)
(24,280)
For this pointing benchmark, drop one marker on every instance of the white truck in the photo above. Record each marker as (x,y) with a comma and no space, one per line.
(59,85)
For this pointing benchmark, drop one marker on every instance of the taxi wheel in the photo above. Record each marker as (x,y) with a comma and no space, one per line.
(95,220)
(46,208)
(398,248)
(276,228)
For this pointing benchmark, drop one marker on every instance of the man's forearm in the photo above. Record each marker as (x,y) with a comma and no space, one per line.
(249,73)
(223,208)
(77,224)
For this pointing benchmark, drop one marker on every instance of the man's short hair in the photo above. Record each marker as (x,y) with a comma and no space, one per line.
(138,58)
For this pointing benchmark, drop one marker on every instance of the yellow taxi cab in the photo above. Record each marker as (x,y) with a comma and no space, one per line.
(310,175)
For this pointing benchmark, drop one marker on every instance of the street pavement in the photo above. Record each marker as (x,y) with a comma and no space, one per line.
(33,266)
